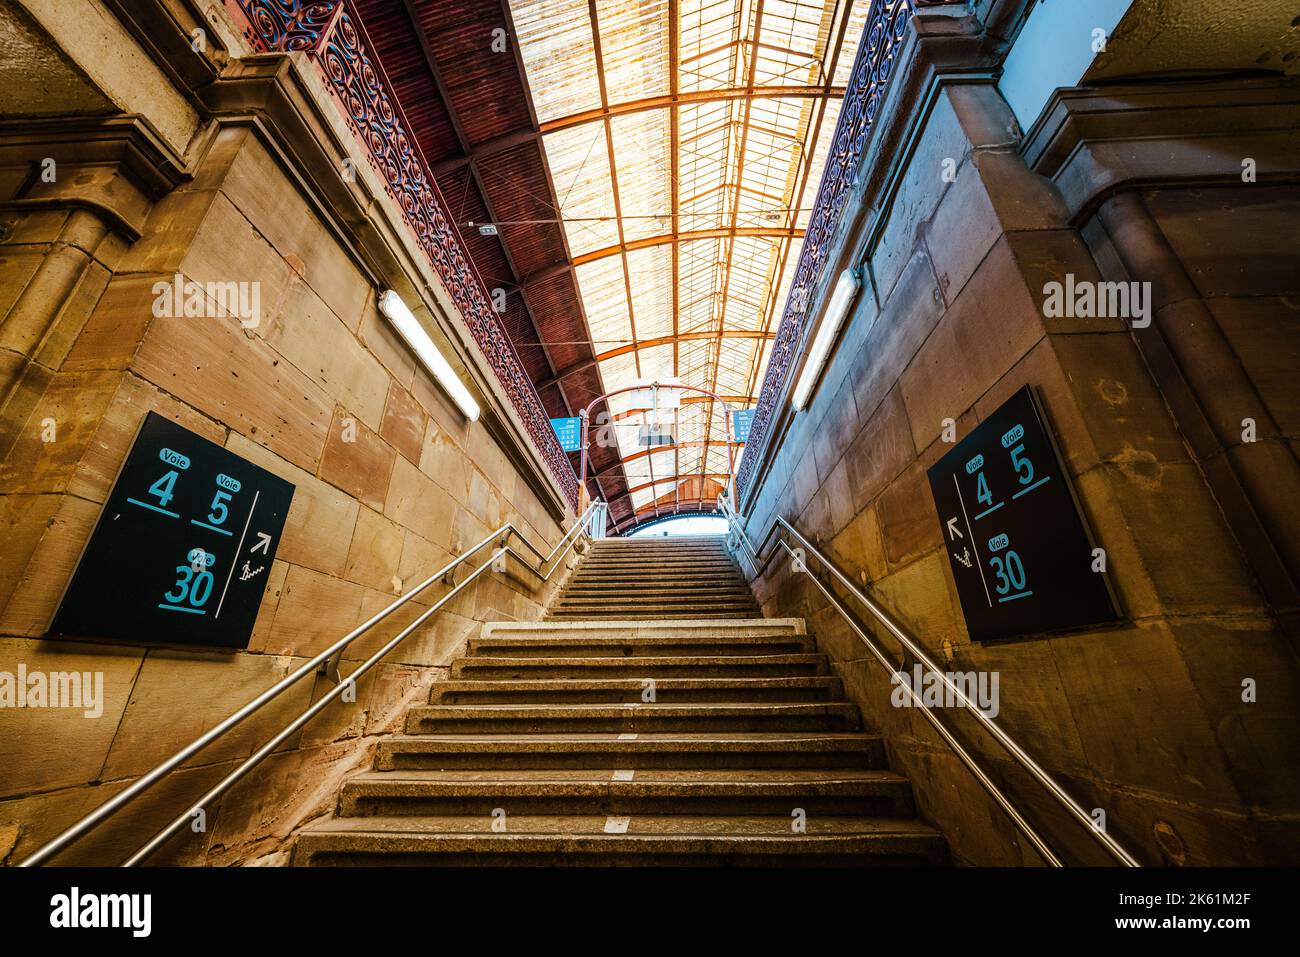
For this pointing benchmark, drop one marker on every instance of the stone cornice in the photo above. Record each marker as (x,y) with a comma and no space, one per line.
(166,30)
(1095,141)
(115,166)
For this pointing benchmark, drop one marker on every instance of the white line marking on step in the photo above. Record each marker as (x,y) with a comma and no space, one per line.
(617,825)
(627,737)
(623,775)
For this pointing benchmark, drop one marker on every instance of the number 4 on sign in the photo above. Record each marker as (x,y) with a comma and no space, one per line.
(263,544)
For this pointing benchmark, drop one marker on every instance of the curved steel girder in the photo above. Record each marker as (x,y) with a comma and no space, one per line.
(685,337)
(677,478)
(687,400)
(643,453)
(689,98)
(685,506)
(646,242)
(653,520)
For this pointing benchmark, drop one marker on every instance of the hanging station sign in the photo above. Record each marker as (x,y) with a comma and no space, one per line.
(569,433)
(657,433)
(183,548)
(1020,552)
(741,422)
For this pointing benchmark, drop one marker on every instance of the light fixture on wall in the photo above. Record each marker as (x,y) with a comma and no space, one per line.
(846,290)
(409,328)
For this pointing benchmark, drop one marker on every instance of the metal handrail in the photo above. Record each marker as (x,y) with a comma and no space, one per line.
(1112,847)
(501,536)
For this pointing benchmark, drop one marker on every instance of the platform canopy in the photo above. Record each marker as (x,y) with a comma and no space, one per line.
(684,141)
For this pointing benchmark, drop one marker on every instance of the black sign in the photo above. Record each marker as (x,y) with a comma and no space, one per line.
(1018,547)
(183,548)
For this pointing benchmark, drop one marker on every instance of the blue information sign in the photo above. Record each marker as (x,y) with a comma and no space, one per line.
(1021,556)
(741,420)
(183,548)
(569,432)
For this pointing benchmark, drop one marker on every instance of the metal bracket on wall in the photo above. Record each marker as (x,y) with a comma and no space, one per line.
(329,668)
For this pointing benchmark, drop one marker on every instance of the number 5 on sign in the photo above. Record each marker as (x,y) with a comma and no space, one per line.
(219,511)
(226,492)
(1023,466)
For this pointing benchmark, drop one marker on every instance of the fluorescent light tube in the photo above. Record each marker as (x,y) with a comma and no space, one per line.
(846,290)
(409,328)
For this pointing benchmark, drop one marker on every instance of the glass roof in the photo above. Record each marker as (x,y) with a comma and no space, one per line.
(685,140)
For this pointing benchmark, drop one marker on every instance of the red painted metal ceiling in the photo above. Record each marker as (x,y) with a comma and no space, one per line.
(470,111)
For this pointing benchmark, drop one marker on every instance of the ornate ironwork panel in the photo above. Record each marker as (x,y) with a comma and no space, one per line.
(885,30)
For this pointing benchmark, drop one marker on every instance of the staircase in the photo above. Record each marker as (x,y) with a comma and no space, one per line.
(657,578)
(610,734)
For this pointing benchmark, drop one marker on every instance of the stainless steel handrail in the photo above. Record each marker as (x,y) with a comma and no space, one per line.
(502,535)
(1112,847)
(83,826)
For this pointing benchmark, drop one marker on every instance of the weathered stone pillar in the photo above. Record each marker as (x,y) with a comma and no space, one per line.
(76,194)
(1238,443)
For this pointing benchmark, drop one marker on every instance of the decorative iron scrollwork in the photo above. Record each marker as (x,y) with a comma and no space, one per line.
(886,28)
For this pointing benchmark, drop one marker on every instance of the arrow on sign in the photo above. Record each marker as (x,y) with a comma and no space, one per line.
(263,544)
(953,531)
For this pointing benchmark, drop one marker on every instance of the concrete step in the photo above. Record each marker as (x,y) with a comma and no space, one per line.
(740,605)
(637,646)
(609,545)
(659,558)
(647,627)
(651,562)
(600,606)
(633,596)
(623,607)
(695,541)
(612,545)
(643,666)
(671,583)
(659,554)
(661,561)
(634,717)
(630,582)
(629,544)
(663,590)
(614,791)
(639,611)
(638,839)
(635,578)
(633,750)
(664,585)
(611,690)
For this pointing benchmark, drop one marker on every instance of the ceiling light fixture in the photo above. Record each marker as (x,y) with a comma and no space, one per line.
(409,328)
(846,290)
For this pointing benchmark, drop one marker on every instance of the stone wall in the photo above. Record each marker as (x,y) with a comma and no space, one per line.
(1145,719)
(391,479)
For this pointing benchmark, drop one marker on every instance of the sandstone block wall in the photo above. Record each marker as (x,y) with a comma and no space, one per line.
(1146,719)
(391,481)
